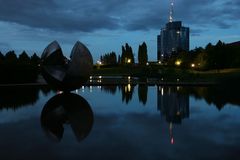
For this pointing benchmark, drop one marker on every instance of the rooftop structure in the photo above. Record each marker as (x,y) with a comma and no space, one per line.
(173,37)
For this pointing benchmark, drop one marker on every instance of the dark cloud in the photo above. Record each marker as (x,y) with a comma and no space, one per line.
(196,32)
(57,16)
(75,15)
(222,14)
(146,22)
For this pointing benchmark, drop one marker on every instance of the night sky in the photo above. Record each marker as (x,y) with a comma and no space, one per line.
(106,25)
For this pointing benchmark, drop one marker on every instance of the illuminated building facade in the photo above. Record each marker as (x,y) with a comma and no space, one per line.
(173,38)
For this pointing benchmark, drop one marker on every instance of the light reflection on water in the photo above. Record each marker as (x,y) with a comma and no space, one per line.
(127,122)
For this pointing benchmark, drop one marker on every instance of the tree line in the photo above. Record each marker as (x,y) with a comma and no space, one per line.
(10,59)
(218,56)
(19,69)
(127,56)
(109,58)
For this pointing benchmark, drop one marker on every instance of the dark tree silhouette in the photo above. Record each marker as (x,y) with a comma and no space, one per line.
(24,59)
(127,55)
(217,56)
(35,60)
(119,59)
(11,58)
(142,54)
(109,58)
(18,69)
(1,58)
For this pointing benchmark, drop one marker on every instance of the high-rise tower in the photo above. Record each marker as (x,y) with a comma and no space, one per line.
(173,38)
(171,11)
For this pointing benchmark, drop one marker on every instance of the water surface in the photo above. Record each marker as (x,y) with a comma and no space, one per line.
(120,122)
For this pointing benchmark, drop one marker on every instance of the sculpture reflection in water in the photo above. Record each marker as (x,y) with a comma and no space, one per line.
(65,74)
(67,108)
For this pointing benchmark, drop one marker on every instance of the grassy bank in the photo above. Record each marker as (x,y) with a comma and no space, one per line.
(173,74)
(160,74)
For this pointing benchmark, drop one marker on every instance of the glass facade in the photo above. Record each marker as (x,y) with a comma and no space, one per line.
(173,38)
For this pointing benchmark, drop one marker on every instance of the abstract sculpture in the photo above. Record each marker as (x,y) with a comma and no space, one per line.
(66,74)
(67,108)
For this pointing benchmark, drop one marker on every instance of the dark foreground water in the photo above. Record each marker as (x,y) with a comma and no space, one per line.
(120,122)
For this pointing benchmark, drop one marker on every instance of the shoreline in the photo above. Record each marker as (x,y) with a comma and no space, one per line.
(167,77)
(113,83)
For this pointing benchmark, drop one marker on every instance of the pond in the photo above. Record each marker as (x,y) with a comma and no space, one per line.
(120,122)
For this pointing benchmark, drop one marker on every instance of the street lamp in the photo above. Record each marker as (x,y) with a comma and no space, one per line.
(178,62)
(99,62)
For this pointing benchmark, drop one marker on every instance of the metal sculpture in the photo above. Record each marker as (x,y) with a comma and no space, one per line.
(63,73)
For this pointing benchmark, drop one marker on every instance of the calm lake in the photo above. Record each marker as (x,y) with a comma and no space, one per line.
(120,122)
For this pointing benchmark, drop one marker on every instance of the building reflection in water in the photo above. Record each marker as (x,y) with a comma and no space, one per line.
(67,108)
(174,106)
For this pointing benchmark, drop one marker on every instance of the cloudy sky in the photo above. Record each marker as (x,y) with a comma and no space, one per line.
(106,25)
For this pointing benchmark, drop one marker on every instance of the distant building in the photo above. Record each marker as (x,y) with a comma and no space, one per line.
(173,38)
